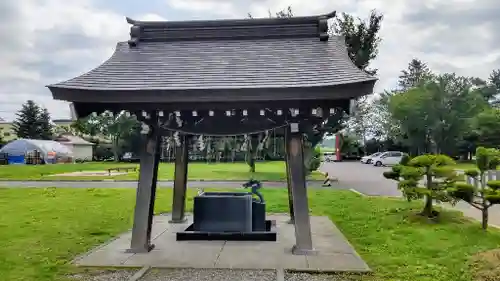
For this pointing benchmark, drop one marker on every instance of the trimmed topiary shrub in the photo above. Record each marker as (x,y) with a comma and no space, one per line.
(436,173)
(484,193)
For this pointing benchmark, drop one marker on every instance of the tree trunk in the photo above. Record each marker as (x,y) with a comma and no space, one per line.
(115,149)
(250,159)
(428,198)
(485,218)
(252,165)
(428,206)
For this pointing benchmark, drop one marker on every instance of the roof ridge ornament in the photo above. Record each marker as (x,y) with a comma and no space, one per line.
(135,35)
(323,25)
(239,29)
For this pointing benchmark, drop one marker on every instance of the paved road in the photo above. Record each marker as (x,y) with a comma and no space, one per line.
(133,184)
(363,178)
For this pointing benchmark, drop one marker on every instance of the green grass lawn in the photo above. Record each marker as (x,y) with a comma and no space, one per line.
(41,230)
(268,171)
(465,165)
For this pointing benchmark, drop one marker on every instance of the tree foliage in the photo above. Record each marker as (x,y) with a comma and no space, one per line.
(115,127)
(417,73)
(119,129)
(32,122)
(361,37)
(486,127)
(437,114)
(487,192)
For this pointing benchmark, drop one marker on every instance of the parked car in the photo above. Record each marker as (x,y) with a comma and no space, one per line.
(388,158)
(130,157)
(368,159)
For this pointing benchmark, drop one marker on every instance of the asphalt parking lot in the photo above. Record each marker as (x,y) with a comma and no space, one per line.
(364,178)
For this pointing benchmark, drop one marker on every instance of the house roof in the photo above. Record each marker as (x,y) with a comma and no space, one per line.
(69,139)
(62,120)
(226,60)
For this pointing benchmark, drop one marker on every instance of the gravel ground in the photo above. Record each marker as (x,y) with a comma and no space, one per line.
(296,276)
(209,274)
(104,275)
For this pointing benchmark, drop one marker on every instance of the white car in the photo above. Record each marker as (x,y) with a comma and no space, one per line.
(368,159)
(388,158)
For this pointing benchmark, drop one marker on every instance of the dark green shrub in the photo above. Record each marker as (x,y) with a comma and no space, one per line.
(436,173)
(488,193)
(315,161)
(463,191)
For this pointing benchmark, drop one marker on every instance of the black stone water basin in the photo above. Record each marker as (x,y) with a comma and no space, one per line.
(228,216)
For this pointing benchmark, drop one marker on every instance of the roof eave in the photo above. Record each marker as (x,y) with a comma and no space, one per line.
(337,91)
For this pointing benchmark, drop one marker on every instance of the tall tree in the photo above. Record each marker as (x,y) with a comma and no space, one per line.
(360,121)
(45,125)
(32,122)
(487,128)
(416,73)
(116,127)
(88,126)
(384,126)
(436,115)
(485,88)
(285,13)
(494,79)
(361,37)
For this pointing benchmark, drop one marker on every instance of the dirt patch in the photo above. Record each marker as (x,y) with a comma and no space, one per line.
(486,266)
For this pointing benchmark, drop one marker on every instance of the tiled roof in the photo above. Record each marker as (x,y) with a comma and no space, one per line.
(223,64)
(225,54)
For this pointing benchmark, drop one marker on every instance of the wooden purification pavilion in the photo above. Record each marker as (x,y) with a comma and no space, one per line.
(221,77)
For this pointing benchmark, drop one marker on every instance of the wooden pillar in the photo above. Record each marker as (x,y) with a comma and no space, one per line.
(146,192)
(180,180)
(303,238)
(288,179)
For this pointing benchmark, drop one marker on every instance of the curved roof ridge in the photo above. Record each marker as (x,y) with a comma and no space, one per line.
(310,26)
(232,22)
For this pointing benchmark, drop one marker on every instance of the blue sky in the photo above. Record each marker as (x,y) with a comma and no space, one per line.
(46,41)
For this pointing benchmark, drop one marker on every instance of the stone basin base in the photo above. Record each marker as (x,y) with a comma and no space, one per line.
(334,253)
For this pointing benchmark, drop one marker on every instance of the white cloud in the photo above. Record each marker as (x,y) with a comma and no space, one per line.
(50,41)
(151,17)
(46,41)
(468,50)
(221,7)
